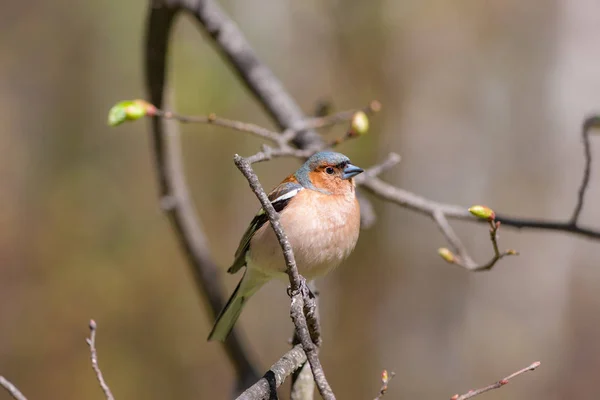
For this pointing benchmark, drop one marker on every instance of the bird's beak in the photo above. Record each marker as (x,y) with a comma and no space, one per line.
(350,171)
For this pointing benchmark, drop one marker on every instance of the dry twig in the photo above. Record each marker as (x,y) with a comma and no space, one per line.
(496,385)
(385,380)
(212,119)
(11,389)
(588,125)
(91,341)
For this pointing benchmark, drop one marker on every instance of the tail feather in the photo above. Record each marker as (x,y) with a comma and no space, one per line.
(227,318)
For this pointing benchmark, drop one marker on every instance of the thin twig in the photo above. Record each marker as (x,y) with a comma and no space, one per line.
(342,116)
(390,161)
(588,124)
(463,258)
(91,341)
(420,204)
(11,389)
(385,380)
(268,153)
(298,288)
(496,385)
(212,119)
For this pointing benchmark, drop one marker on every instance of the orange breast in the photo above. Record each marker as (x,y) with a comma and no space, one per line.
(322,229)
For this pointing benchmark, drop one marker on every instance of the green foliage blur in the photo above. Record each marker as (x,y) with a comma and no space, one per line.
(482,100)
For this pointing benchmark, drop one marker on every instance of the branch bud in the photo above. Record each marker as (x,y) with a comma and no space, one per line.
(129,110)
(360,123)
(375,106)
(483,212)
(447,255)
(384,376)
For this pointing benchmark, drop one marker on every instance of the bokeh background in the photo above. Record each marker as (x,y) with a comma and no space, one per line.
(483,100)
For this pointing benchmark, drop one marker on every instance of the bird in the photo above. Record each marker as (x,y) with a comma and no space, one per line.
(319,213)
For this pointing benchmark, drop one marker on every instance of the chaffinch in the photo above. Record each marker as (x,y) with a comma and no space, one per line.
(321,218)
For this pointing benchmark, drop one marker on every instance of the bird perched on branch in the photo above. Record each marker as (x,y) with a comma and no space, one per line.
(320,215)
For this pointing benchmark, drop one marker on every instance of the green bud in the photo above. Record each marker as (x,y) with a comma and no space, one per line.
(360,123)
(129,110)
(447,255)
(483,212)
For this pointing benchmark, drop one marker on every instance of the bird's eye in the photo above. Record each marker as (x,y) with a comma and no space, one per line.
(329,170)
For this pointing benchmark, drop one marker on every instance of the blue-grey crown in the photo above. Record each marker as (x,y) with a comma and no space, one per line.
(330,157)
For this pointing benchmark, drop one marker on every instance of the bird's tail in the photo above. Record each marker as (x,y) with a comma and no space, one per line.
(248,285)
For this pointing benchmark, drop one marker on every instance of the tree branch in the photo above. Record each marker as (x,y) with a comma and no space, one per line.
(11,389)
(496,385)
(174,194)
(255,75)
(299,291)
(212,119)
(588,124)
(91,341)
(439,212)
(265,388)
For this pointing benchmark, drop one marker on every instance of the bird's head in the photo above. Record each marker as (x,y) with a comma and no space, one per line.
(328,172)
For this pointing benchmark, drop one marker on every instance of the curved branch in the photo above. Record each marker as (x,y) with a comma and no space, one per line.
(174,193)
(255,75)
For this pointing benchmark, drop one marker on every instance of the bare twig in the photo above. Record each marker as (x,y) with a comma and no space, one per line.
(11,389)
(342,116)
(588,124)
(91,341)
(298,289)
(422,205)
(266,387)
(390,161)
(463,258)
(496,385)
(385,380)
(268,153)
(212,119)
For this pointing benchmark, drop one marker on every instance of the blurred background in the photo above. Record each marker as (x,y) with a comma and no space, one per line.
(483,101)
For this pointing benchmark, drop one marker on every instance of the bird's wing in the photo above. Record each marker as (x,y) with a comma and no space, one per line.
(280,197)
